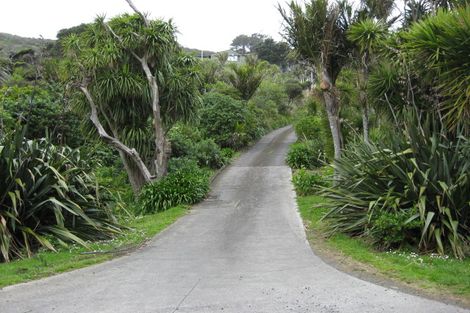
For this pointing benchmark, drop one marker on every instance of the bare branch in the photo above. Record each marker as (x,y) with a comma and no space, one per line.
(116,143)
(157,118)
(118,38)
(133,7)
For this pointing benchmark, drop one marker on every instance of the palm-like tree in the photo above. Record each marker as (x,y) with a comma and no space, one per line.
(317,32)
(134,82)
(416,10)
(247,77)
(222,57)
(439,46)
(367,36)
(377,9)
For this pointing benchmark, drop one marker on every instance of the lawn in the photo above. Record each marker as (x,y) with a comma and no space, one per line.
(47,263)
(425,271)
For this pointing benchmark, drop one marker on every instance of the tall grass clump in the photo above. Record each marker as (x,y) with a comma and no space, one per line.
(47,198)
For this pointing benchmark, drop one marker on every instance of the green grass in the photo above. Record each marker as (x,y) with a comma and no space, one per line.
(425,271)
(47,263)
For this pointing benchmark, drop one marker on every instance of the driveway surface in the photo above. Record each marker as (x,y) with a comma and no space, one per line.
(242,250)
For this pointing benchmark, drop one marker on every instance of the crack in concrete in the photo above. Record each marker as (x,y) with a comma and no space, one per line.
(184,298)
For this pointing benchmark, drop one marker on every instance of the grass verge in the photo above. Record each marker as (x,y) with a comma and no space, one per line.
(47,263)
(429,272)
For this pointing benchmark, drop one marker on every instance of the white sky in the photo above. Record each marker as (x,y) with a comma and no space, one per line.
(203,24)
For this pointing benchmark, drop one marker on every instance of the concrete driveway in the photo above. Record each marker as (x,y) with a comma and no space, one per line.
(242,250)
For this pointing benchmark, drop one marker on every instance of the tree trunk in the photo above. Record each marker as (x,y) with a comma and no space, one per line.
(161,155)
(161,149)
(363,97)
(365,122)
(135,176)
(132,160)
(332,110)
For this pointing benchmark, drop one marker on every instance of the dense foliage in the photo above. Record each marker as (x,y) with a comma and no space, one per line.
(139,108)
(307,182)
(187,142)
(46,192)
(125,93)
(228,121)
(424,174)
(439,45)
(309,127)
(43,111)
(307,154)
(407,184)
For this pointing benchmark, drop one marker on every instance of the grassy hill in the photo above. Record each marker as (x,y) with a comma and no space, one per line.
(12,44)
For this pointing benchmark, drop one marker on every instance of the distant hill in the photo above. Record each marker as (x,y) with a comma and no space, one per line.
(197,52)
(12,44)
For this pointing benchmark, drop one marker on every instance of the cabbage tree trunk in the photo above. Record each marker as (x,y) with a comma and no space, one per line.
(332,111)
(363,96)
(365,122)
(135,176)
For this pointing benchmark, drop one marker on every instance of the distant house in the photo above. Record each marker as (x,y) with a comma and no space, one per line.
(206,54)
(232,56)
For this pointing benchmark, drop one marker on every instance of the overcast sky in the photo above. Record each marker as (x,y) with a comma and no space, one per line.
(203,24)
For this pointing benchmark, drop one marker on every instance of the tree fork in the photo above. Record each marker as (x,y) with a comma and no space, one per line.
(116,143)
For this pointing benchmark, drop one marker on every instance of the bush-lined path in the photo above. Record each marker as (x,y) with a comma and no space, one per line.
(242,250)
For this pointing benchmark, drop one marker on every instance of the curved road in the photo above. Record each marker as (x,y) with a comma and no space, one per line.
(242,250)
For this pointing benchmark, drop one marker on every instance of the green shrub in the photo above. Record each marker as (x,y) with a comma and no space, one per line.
(181,164)
(223,88)
(312,105)
(351,121)
(191,145)
(208,154)
(46,191)
(227,153)
(115,179)
(181,146)
(271,97)
(228,121)
(182,138)
(185,183)
(100,154)
(294,89)
(424,168)
(395,229)
(309,127)
(307,182)
(270,105)
(44,112)
(307,154)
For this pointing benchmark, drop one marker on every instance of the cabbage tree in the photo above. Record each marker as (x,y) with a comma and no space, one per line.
(248,76)
(439,46)
(134,82)
(366,35)
(317,32)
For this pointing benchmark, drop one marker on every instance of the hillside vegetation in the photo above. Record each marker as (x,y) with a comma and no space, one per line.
(10,44)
